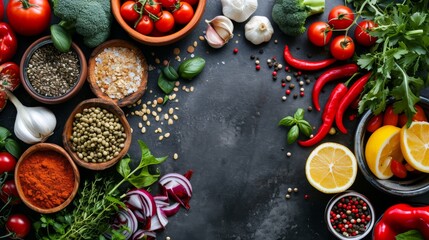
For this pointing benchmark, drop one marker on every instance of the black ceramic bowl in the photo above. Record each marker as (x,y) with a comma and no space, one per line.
(410,186)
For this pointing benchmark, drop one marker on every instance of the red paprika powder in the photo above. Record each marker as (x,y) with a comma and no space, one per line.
(46,178)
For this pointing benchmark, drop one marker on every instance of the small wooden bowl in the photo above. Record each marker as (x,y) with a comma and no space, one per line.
(162,40)
(92,79)
(68,129)
(46,99)
(46,147)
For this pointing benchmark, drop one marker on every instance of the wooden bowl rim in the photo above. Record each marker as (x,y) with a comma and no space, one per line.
(162,40)
(49,147)
(52,100)
(117,111)
(130,99)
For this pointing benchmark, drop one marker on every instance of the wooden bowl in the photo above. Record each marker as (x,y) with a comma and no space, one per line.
(92,78)
(68,131)
(51,99)
(45,148)
(162,40)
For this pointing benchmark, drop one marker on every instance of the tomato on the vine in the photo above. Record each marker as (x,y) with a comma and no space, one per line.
(145,25)
(183,14)
(319,33)
(9,190)
(398,169)
(29,17)
(192,2)
(362,35)
(341,17)
(152,7)
(168,3)
(19,224)
(128,12)
(342,47)
(165,23)
(7,162)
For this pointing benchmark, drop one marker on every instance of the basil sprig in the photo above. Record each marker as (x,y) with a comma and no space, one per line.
(297,125)
(8,143)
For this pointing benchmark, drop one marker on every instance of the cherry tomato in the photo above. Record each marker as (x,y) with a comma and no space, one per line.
(9,190)
(168,3)
(419,116)
(128,12)
(7,162)
(30,17)
(9,74)
(362,35)
(341,17)
(398,169)
(342,47)
(192,2)
(375,123)
(183,14)
(319,33)
(390,117)
(145,25)
(165,23)
(18,224)
(153,7)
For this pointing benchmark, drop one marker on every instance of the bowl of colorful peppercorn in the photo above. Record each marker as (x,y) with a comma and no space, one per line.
(118,71)
(391,153)
(349,215)
(46,178)
(97,134)
(158,22)
(51,76)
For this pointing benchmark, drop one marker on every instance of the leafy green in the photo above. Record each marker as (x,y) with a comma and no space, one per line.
(8,143)
(297,124)
(410,235)
(165,85)
(190,68)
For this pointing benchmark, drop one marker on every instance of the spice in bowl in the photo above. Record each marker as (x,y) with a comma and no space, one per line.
(349,215)
(97,135)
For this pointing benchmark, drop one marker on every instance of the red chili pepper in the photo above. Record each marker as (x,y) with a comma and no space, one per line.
(400,218)
(305,65)
(328,115)
(354,91)
(9,43)
(330,75)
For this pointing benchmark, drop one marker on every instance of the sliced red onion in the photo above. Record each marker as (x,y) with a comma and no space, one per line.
(147,203)
(139,215)
(140,234)
(178,187)
(125,217)
(163,198)
(172,209)
(158,221)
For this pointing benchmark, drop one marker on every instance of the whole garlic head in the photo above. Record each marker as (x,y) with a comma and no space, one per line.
(239,10)
(258,30)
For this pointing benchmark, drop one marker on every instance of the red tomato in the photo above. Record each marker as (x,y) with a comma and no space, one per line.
(342,47)
(7,162)
(165,23)
(18,224)
(183,14)
(362,35)
(375,123)
(390,117)
(398,169)
(129,13)
(168,3)
(319,33)
(9,74)
(1,11)
(9,190)
(145,25)
(30,17)
(153,7)
(192,2)
(341,17)
(419,116)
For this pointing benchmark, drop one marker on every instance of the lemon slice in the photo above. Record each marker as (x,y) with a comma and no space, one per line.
(331,168)
(415,145)
(382,147)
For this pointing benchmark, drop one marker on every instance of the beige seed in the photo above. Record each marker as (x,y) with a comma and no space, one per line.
(177,83)
(176,89)
(201,38)
(132,130)
(157,118)
(157,61)
(175,117)
(159,130)
(139,102)
(166,116)
(170,111)
(147,111)
(191,89)
(176,51)
(154,113)
(160,138)
(144,118)
(143,129)
(159,109)
(140,125)
(170,121)
(167,135)
(175,156)
(148,123)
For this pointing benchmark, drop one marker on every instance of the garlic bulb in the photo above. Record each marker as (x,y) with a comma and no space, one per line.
(219,31)
(239,10)
(258,30)
(32,124)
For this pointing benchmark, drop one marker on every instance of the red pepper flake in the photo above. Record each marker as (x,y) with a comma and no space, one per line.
(258,67)
(235,50)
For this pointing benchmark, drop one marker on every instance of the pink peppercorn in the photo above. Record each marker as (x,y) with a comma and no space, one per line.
(283,84)
(301,94)
(258,67)
(274,73)
(235,50)
(287,92)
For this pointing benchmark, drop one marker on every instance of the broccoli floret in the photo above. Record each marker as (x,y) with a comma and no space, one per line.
(290,15)
(89,18)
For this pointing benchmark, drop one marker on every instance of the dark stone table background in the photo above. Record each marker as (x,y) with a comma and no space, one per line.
(227,134)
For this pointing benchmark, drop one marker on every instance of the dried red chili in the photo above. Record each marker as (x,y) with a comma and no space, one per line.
(305,65)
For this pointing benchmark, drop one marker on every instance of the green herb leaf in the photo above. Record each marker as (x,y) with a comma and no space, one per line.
(410,235)
(299,114)
(13,147)
(4,133)
(170,73)
(305,127)
(165,85)
(293,134)
(190,68)
(123,167)
(61,39)
(166,98)
(287,121)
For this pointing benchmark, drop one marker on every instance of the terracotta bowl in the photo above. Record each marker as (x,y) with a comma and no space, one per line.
(162,40)
(44,148)
(52,99)
(92,78)
(68,131)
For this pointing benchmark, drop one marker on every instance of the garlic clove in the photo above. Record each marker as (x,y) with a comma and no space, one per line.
(213,39)
(22,133)
(219,31)
(239,10)
(43,120)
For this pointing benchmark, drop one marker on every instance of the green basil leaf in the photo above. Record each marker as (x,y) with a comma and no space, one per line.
(144,178)
(410,235)
(61,39)
(165,85)
(170,73)
(13,147)
(293,134)
(123,167)
(305,127)
(166,98)
(287,121)
(299,114)
(4,133)
(190,68)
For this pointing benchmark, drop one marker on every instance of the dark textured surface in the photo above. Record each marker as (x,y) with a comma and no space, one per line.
(227,133)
